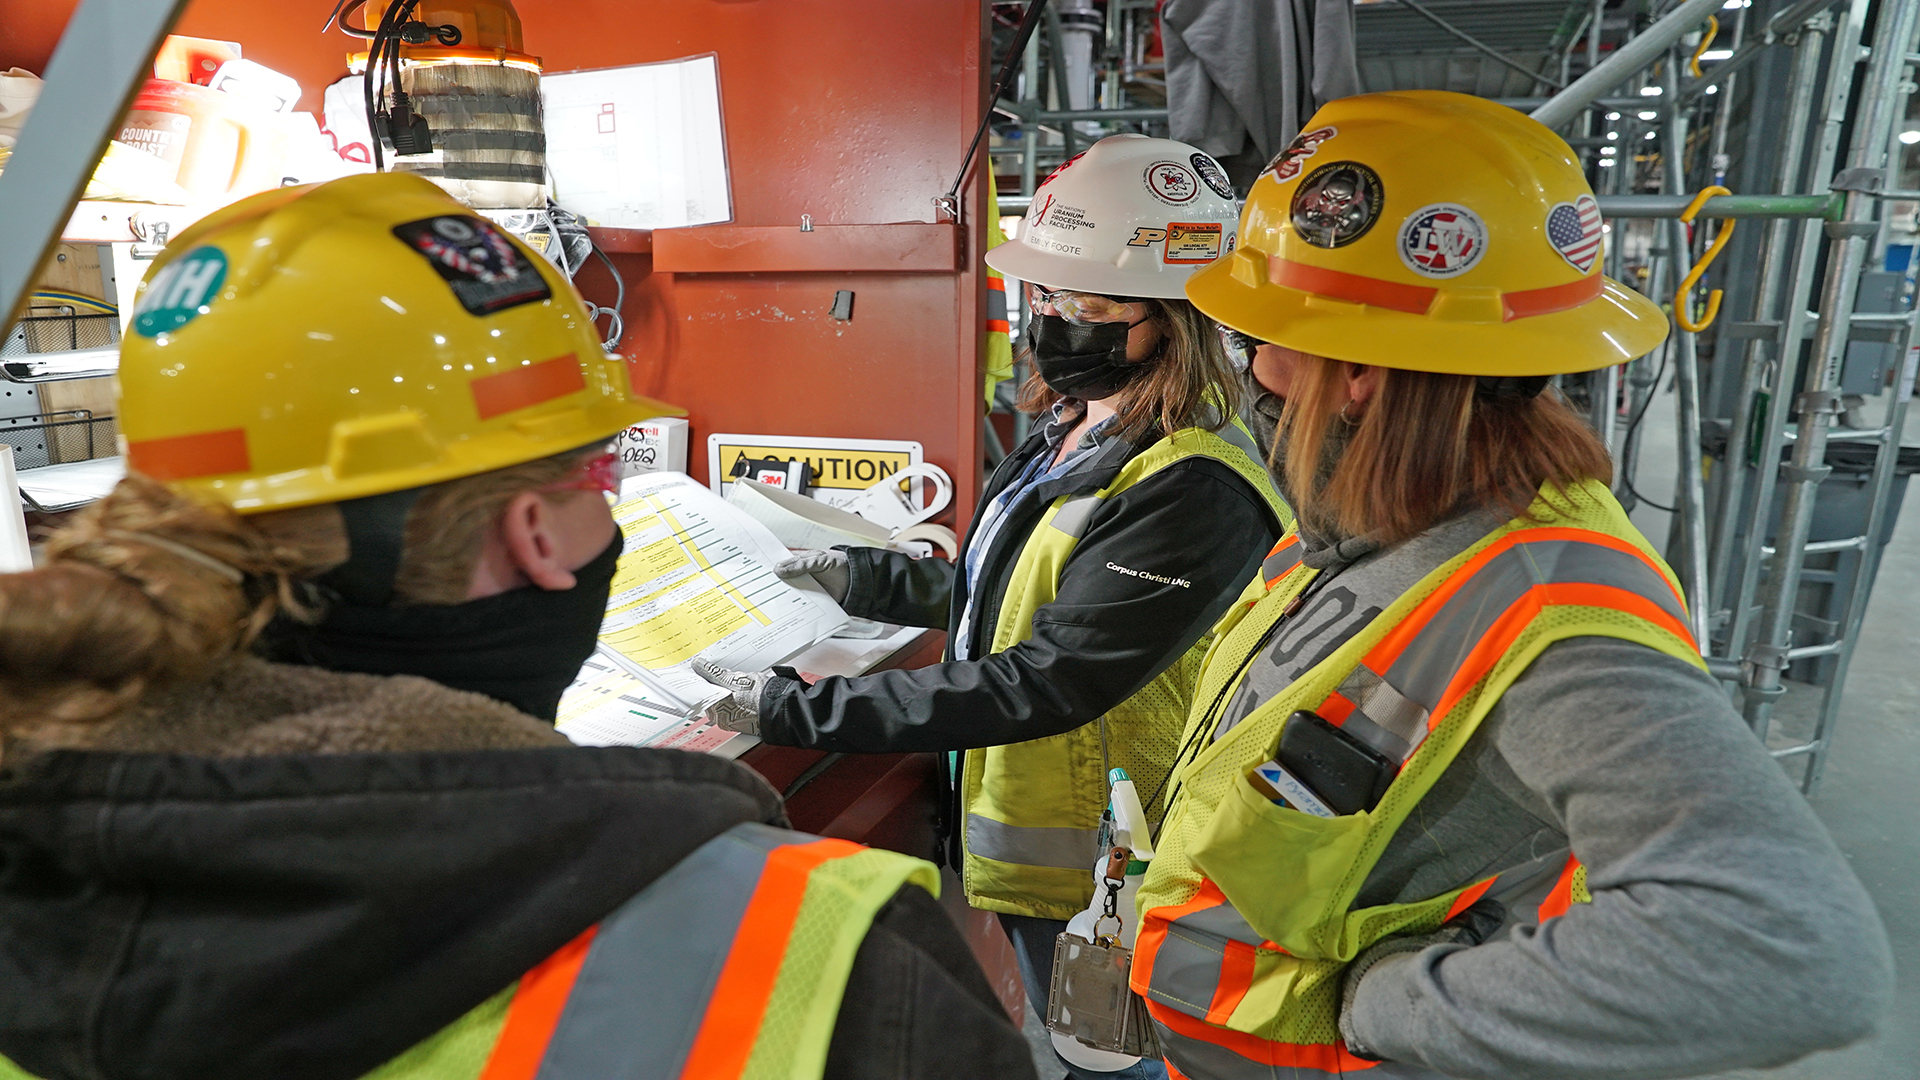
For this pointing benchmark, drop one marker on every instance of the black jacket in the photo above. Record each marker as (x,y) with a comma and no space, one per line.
(1105,635)
(172,917)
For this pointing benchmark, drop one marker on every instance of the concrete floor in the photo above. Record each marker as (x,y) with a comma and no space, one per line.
(1867,796)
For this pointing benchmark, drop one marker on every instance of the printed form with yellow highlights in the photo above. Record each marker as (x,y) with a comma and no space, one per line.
(696,579)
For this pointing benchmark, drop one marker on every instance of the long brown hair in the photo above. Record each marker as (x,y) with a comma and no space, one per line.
(151,587)
(1188,381)
(1425,448)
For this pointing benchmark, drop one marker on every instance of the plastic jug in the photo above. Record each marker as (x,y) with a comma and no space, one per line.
(204,135)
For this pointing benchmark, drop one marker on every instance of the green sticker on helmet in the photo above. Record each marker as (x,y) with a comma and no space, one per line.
(180,292)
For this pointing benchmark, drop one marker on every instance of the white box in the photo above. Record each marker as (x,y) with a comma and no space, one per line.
(657,445)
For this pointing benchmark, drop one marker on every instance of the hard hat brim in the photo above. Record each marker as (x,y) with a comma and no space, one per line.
(1618,326)
(1028,263)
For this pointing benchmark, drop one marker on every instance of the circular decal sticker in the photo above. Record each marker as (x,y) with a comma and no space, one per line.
(180,292)
(1286,164)
(1212,175)
(1171,182)
(1443,240)
(1337,203)
(1574,230)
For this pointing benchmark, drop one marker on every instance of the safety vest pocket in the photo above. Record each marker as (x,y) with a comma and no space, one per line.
(1289,873)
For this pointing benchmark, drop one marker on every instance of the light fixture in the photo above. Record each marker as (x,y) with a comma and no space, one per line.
(1613,116)
(1606,163)
(1732,5)
(1651,134)
(1716,54)
(1613,134)
(1608,151)
(1908,138)
(1649,91)
(1713,89)
(1649,115)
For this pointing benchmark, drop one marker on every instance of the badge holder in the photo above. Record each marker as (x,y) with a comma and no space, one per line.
(1089,998)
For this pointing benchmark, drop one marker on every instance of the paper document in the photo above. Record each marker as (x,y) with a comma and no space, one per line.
(607,706)
(697,580)
(639,147)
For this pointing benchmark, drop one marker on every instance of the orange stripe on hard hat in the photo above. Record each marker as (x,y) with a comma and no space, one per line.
(1418,299)
(183,457)
(535,1012)
(523,387)
(732,1021)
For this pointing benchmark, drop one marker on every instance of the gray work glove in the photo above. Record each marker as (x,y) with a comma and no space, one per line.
(740,710)
(828,568)
(1470,927)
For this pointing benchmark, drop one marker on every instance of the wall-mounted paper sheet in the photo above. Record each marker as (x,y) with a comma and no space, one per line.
(639,147)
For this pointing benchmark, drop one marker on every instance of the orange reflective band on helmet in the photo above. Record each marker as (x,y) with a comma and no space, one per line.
(732,1022)
(1353,288)
(1529,302)
(524,387)
(183,457)
(535,1012)
(1418,299)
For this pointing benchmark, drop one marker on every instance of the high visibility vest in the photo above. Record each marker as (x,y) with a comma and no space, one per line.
(1248,916)
(731,965)
(1032,809)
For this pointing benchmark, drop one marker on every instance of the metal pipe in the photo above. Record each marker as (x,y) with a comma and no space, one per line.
(1477,45)
(1627,59)
(103,56)
(1825,206)
(1690,490)
(1765,661)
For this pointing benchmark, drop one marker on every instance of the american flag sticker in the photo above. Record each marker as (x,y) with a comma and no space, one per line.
(1574,230)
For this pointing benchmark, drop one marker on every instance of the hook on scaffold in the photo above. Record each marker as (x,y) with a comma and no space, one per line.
(1681,314)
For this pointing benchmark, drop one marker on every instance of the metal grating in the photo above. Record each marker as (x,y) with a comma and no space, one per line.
(1399,50)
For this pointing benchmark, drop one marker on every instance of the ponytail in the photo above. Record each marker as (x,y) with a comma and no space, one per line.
(144,588)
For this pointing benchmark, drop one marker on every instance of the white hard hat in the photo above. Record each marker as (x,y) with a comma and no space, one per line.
(1132,216)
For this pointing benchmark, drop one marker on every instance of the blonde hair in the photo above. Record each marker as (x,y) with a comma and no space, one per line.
(1188,381)
(1425,448)
(151,587)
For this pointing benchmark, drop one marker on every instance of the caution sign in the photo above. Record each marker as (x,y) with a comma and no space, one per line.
(834,465)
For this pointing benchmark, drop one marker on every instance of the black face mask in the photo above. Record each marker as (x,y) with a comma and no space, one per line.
(523,647)
(1085,362)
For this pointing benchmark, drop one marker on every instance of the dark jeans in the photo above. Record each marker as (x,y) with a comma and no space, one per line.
(1033,944)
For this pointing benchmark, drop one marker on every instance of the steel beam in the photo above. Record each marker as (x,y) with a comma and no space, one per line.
(1627,59)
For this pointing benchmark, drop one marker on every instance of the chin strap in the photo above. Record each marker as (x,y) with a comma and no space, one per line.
(1510,387)
(376,536)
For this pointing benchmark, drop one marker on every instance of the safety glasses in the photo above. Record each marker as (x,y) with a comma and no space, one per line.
(1081,308)
(600,474)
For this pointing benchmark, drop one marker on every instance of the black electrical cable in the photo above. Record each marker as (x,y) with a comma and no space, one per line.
(1020,38)
(616,328)
(1625,476)
(385,40)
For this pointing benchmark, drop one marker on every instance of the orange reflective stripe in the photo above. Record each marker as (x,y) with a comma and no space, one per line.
(1561,898)
(1353,288)
(996,283)
(1236,978)
(527,386)
(1153,931)
(183,457)
(997,324)
(1527,303)
(535,1012)
(1176,1074)
(1470,897)
(732,1021)
(1329,1058)
(1336,709)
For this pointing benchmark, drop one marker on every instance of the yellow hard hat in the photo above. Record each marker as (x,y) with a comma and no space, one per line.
(367,335)
(1432,231)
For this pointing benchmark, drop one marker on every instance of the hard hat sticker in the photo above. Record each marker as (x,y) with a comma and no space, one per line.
(1146,237)
(180,292)
(1337,203)
(1574,230)
(1442,240)
(1212,175)
(1286,164)
(1171,182)
(486,272)
(1192,242)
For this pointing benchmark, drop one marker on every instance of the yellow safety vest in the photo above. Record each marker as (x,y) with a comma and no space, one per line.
(1032,809)
(1248,917)
(731,966)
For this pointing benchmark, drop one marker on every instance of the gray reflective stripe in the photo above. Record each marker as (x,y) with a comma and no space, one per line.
(1207,1061)
(1280,561)
(1387,719)
(1428,665)
(643,989)
(1074,514)
(1064,849)
(1186,968)
(1234,436)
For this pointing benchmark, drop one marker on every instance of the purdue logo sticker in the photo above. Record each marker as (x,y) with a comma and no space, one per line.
(180,292)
